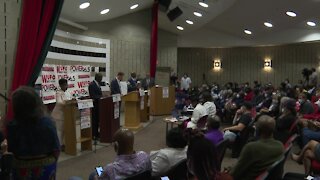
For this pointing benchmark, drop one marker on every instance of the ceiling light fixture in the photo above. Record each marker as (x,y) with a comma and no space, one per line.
(189,22)
(203,4)
(291,14)
(247,31)
(180,28)
(311,23)
(84,5)
(268,24)
(105,11)
(134,6)
(197,14)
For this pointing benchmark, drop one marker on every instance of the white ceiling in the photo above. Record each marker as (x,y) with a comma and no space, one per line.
(223,21)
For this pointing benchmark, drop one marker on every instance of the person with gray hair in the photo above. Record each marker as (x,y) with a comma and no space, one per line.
(214,134)
(266,151)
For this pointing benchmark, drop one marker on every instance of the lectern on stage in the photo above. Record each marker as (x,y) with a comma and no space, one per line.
(72,115)
(162,100)
(132,110)
(107,121)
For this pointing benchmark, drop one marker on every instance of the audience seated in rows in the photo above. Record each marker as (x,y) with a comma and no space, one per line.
(259,155)
(203,159)
(32,137)
(128,162)
(164,159)
(310,151)
(214,134)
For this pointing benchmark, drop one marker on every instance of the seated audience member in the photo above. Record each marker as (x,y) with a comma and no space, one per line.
(305,105)
(273,110)
(203,159)
(259,155)
(198,112)
(214,134)
(32,137)
(310,151)
(242,119)
(128,162)
(208,104)
(168,157)
(285,120)
(310,131)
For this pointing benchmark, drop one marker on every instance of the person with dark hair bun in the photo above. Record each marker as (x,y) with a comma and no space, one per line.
(203,160)
(166,158)
(198,112)
(32,137)
(57,113)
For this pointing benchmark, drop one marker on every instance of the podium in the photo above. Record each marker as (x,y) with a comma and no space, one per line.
(132,110)
(160,103)
(71,115)
(108,124)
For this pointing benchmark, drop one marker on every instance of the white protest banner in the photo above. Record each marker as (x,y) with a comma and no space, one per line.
(81,76)
(49,82)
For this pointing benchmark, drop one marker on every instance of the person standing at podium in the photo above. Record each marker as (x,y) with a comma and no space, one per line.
(115,83)
(57,113)
(132,82)
(95,94)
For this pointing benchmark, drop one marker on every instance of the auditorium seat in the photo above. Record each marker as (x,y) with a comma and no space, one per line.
(178,171)
(201,124)
(275,171)
(145,175)
(221,150)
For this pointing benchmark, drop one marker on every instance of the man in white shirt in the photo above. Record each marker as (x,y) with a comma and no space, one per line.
(208,103)
(164,159)
(185,82)
(198,112)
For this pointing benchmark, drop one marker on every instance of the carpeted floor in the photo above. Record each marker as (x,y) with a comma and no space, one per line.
(152,137)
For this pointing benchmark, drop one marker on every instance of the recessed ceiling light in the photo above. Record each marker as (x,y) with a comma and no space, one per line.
(105,11)
(203,4)
(189,22)
(310,23)
(84,5)
(197,14)
(180,28)
(134,6)
(268,24)
(247,31)
(291,14)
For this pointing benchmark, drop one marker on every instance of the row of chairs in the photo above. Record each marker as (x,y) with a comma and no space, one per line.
(180,170)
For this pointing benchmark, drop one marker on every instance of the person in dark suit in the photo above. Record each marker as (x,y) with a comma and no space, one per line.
(132,82)
(95,94)
(115,83)
(147,82)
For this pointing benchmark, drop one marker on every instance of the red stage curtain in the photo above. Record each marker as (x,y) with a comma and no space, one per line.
(36,19)
(154,40)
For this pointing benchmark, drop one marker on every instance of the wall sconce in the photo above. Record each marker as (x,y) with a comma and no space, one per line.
(217,64)
(267,63)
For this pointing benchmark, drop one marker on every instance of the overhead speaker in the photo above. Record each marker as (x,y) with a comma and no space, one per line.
(174,13)
(164,5)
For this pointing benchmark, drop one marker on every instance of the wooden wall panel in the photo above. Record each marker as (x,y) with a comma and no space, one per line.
(245,64)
